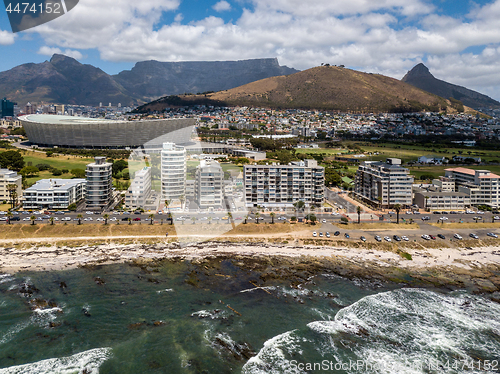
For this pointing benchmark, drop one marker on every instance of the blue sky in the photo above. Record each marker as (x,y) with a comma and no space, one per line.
(459,40)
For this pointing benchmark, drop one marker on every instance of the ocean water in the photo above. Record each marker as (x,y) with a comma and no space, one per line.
(185,318)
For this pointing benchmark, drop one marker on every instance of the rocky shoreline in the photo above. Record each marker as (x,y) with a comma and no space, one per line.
(474,269)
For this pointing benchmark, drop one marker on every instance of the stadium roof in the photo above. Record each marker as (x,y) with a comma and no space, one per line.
(69,120)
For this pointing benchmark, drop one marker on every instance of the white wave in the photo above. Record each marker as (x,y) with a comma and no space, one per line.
(6,278)
(258,288)
(403,331)
(165,290)
(271,359)
(89,360)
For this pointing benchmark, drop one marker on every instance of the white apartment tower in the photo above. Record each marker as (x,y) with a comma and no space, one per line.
(140,189)
(8,177)
(99,184)
(209,184)
(173,171)
(385,183)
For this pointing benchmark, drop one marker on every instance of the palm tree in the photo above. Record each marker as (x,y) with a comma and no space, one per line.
(12,190)
(257,215)
(106,217)
(209,220)
(358,210)
(312,219)
(32,218)
(246,218)
(231,219)
(129,219)
(397,208)
(272,214)
(193,219)
(79,219)
(171,218)
(182,198)
(51,219)
(9,216)
(151,218)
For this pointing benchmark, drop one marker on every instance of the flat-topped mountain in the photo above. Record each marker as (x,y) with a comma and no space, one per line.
(324,87)
(65,80)
(421,77)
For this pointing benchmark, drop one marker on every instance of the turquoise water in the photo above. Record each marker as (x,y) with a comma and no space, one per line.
(177,319)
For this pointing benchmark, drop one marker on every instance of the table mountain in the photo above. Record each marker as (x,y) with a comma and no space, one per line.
(421,77)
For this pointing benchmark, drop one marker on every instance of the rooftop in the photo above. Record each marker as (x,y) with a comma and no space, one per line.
(71,120)
(56,184)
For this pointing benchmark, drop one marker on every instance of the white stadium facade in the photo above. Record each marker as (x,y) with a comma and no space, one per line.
(47,130)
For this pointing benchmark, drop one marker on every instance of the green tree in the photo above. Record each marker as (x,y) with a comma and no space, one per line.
(72,207)
(12,190)
(51,220)
(257,216)
(12,160)
(272,214)
(106,217)
(32,219)
(79,216)
(78,173)
(29,171)
(129,219)
(151,218)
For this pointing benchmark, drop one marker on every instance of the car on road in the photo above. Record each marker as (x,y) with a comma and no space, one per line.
(3,218)
(443,219)
(496,218)
(378,238)
(327,234)
(426,218)
(335,214)
(100,219)
(136,219)
(426,237)
(315,234)
(336,233)
(113,219)
(396,238)
(405,238)
(441,236)
(458,236)
(125,219)
(88,219)
(363,239)
(386,238)
(324,221)
(473,236)
(282,218)
(492,234)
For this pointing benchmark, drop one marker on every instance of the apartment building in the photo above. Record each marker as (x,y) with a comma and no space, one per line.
(384,183)
(99,184)
(209,185)
(54,193)
(173,171)
(482,185)
(283,185)
(140,189)
(8,177)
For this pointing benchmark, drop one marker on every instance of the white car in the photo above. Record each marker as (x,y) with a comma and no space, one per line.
(26,219)
(426,237)
(3,218)
(315,234)
(405,238)
(496,218)
(388,239)
(324,221)
(66,219)
(88,219)
(112,219)
(335,214)
(444,218)
(458,236)
(492,234)
(100,219)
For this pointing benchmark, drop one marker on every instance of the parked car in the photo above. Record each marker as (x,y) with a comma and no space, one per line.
(492,234)
(396,238)
(324,221)
(336,233)
(327,234)
(458,236)
(473,236)
(378,238)
(441,236)
(386,238)
(363,239)
(432,237)
(321,234)
(315,233)
(426,237)
(405,238)
(346,235)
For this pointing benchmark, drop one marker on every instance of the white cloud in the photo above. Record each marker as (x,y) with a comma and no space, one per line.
(49,51)
(385,36)
(222,6)
(7,37)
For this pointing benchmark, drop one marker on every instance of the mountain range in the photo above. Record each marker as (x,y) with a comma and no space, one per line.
(64,80)
(324,87)
(421,77)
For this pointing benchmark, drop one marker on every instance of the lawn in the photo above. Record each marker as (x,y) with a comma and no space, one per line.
(438,170)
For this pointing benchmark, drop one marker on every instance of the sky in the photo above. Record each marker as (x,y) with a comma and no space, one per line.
(458,40)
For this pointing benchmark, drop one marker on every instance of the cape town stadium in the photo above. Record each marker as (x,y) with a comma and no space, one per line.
(79,132)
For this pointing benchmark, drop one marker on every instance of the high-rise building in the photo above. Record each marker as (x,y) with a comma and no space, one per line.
(482,185)
(54,193)
(173,171)
(140,189)
(384,183)
(6,108)
(9,177)
(209,185)
(99,184)
(283,185)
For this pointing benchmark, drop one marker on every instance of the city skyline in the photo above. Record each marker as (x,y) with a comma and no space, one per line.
(458,40)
